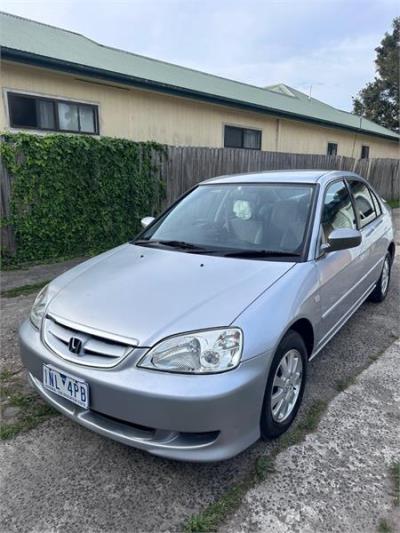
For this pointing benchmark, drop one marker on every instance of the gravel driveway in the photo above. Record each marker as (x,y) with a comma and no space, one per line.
(62,477)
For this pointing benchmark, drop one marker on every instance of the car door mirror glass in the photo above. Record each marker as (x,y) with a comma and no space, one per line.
(342,239)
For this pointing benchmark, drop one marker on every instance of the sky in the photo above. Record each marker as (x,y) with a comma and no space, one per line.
(323,45)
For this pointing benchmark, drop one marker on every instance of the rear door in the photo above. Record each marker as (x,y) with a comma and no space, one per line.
(372,230)
(339,271)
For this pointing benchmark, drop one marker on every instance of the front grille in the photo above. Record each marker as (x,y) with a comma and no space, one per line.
(81,347)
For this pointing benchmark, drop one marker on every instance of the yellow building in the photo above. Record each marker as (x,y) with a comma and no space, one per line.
(56,80)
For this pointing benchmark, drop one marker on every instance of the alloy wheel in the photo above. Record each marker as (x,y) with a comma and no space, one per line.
(286,385)
(385,276)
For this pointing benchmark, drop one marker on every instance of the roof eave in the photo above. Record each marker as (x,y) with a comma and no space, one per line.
(76,68)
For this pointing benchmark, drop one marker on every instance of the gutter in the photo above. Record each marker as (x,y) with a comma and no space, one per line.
(76,68)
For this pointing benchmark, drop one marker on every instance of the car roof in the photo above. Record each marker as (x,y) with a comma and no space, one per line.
(279,176)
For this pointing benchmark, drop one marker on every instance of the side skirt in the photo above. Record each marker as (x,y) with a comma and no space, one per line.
(342,321)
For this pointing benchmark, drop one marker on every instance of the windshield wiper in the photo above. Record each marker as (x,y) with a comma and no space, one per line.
(172,244)
(260,253)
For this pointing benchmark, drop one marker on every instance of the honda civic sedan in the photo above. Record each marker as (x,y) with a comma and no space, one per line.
(192,341)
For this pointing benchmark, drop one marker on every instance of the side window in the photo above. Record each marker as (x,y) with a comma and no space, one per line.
(363,201)
(377,205)
(338,209)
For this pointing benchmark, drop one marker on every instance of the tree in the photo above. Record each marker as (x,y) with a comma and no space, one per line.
(379,99)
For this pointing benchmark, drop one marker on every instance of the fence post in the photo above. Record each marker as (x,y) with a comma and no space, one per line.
(8,242)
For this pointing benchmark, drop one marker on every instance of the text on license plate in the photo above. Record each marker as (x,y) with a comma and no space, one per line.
(70,387)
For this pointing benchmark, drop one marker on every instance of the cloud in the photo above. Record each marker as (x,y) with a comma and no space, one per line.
(328,44)
(335,72)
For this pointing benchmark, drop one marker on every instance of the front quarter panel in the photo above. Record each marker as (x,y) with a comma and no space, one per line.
(267,319)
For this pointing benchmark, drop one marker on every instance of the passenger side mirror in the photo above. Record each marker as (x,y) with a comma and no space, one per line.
(146,221)
(342,239)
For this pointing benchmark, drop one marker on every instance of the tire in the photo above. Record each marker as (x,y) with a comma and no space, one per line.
(274,421)
(382,287)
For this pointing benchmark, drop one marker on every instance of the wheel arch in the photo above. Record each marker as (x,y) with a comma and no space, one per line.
(392,251)
(304,328)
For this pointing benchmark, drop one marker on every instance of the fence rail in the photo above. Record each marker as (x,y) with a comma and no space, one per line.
(186,166)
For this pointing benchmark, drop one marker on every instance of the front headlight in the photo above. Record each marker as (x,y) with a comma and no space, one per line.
(39,306)
(202,352)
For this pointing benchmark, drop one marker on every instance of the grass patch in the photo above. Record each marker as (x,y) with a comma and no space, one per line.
(264,467)
(6,375)
(343,384)
(309,424)
(214,515)
(32,417)
(24,289)
(395,474)
(384,526)
(31,408)
(394,203)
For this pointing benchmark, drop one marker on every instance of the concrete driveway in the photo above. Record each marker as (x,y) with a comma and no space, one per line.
(62,477)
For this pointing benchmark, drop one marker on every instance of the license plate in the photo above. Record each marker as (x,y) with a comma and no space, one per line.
(70,387)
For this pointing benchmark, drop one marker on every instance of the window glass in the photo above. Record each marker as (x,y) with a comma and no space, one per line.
(233,137)
(364,152)
(87,119)
(377,205)
(27,111)
(338,209)
(68,116)
(22,111)
(252,139)
(332,149)
(240,217)
(364,203)
(242,138)
(46,117)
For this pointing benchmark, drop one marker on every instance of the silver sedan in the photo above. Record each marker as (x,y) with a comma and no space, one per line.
(193,340)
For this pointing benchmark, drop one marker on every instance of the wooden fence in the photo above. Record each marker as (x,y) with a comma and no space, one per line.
(186,166)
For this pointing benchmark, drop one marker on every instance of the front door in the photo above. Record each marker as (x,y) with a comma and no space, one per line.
(339,271)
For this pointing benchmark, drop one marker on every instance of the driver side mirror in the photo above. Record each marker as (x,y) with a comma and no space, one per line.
(146,221)
(342,239)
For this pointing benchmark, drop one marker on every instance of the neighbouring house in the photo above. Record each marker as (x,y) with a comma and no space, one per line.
(57,80)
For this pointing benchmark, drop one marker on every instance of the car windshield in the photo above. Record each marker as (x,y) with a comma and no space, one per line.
(257,220)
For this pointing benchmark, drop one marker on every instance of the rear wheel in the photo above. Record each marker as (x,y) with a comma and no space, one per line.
(285,386)
(382,287)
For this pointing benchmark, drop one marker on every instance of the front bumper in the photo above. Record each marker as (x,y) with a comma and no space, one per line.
(184,417)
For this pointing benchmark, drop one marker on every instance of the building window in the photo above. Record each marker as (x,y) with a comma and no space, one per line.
(364,152)
(332,149)
(39,113)
(242,138)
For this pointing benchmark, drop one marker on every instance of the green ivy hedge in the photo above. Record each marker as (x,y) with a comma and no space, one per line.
(75,195)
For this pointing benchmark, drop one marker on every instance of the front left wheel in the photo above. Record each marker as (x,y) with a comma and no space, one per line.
(285,386)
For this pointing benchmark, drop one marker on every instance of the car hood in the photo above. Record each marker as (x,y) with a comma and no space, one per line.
(146,294)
